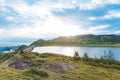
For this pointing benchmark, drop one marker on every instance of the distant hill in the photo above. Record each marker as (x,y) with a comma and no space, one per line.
(81,40)
(8,49)
(25,65)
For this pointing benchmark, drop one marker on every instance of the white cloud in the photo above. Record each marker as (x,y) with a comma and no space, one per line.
(112,1)
(46,30)
(2,31)
(109,15)
(93,4)
(2,3)
(52,25)
(117,32)
(112,14)
(45,7)
(35,10)
(10,18)
(39,22)
(64,4)
(99,29)
(92,18)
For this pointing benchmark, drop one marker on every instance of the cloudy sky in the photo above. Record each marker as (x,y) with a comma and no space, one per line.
(23,21)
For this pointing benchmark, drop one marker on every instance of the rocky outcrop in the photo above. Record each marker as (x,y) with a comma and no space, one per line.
(58,67)
(21,64)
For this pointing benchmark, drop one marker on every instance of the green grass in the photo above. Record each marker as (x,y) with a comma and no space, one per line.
(37,74)
(83,70)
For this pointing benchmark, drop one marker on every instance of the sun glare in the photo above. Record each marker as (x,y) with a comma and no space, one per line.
(68,52)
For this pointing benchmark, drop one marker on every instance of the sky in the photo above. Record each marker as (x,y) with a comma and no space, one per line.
(24,21)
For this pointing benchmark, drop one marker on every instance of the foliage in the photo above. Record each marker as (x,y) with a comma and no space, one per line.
(28,55)
(38,63)
(90,69)
(76,56)
(40,42)
(21,48)
(85,57)
(81,40)
(32,72)
(109,55)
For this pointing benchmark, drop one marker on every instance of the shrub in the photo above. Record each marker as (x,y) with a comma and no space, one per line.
(33,72)
(85,57)
(29,56)
(76,56)
(38,63)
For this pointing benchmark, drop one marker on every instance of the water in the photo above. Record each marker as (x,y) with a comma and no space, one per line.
(69,51)
(8,49)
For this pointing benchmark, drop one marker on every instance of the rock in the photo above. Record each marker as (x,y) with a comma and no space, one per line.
(58,67)
(22,64)
(65,65)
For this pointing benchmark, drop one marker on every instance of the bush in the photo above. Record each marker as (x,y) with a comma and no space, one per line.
(29,56)
(33,72)
(76,56)
(38,63)
(85,57)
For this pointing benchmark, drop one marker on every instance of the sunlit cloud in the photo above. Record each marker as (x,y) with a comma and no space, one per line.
(53,18)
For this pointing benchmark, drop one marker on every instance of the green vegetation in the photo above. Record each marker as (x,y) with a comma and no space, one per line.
(37,72)
(21,48)
(109,55)
(85,56)
(48,66)
(25,65)
(82,40)
(76,56)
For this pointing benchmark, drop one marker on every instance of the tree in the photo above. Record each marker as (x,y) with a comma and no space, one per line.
(76,56)
(85,56)
(109,56)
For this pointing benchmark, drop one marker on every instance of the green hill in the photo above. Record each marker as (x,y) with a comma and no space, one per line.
(25,65)
(81,40)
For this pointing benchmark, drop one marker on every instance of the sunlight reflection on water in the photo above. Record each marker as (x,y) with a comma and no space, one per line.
(69,51)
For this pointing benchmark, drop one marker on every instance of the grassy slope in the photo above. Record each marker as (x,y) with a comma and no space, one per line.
(82,40)
(82,72)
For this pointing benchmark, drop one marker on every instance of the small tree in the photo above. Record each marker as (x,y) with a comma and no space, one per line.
(76,56)
(85,56)
(109,56)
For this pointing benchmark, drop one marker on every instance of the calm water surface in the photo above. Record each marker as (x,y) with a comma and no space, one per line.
(69,51)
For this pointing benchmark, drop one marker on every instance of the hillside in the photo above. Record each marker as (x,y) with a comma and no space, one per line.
(25,65)
(33,66)
(81,40)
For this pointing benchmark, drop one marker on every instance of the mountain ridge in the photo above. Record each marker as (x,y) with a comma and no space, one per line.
(81,40)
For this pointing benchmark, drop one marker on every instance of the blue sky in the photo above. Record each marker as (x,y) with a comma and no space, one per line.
(24,21)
